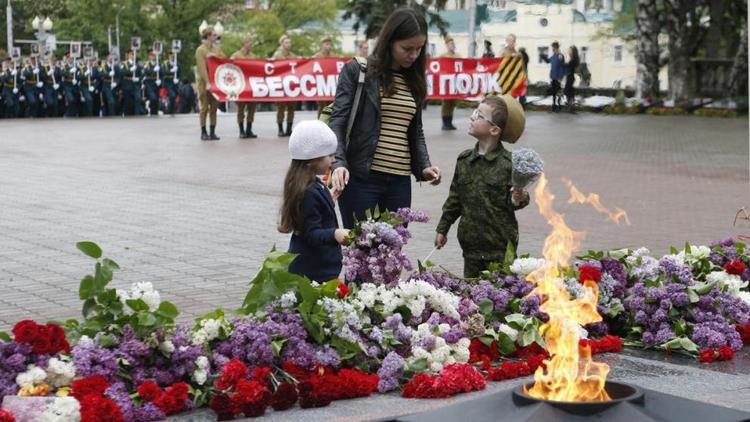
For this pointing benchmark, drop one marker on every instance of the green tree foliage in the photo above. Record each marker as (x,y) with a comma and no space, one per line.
(372,13)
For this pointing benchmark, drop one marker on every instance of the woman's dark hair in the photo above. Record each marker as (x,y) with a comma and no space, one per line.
(574,60)
(298,178)
(402,24)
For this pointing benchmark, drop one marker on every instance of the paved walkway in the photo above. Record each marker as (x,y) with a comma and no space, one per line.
(197,218)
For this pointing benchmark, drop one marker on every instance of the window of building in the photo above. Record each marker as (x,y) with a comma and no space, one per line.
(618,54)
(542,53)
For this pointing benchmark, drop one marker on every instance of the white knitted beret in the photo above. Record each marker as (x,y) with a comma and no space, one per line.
(312,139)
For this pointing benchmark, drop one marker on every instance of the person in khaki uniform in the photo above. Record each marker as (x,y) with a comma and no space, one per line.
(207,49)
(326,46)
(446,111)
(481,194)
(245,106)
(285,52)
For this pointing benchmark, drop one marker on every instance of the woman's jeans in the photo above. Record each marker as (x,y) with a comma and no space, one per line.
(386,191)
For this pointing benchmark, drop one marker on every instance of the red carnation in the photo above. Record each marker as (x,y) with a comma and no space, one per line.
(261,374)
(311,395)
(532,349)
(725,353)
(91,386)
(233,371)
(256,408)
(6,416)
(149,391)
(97,408)
(299,373)
(356,383)
(588,272)
(26,331)
(222,406)
(342,290)
(735,267)
(284,397)
(706,355)
(535,362)
(174,398)
(744,331)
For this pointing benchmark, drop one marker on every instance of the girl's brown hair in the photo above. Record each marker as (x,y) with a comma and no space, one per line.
(402,24)
(298,178)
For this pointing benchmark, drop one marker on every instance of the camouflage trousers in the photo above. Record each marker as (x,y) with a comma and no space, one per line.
(474,266)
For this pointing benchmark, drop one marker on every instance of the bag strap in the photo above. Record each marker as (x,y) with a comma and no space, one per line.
(357,95)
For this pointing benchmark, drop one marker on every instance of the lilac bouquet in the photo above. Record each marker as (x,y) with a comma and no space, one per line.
(527,167)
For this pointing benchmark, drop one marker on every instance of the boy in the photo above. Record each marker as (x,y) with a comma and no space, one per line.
(556,73)
(480,192)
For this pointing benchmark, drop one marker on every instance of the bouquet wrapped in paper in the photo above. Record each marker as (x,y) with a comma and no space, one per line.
(527,167)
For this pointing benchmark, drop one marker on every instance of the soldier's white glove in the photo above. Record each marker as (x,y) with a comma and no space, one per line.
(88,72)
(158,82)
(22,98)
(111,73)
(73,70)
(113,85)
(39,84)
(41,97)
(156,68)
(36,71)
(13,72)
(15,90)
(75,82)
(55,86)
(91,88)
(174,69)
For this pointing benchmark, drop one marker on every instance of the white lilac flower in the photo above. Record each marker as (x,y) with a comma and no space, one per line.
(745,296)
(62,409)
(698,252)
(33,375)
(574,288)
(287,300)
(166,347)
(730,283)
(509,331)
(200,375)
(344,318)
(526,266)
(60,373)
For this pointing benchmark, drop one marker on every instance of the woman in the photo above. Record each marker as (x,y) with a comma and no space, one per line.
(571,67)
(386,144)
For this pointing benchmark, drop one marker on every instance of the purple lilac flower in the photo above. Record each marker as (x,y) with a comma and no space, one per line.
(597,329)
(455,334)
(530,306)
(615,269)
(13,360)
(409,215)
(391,370)
(91,360)
(679,273)
(485,290)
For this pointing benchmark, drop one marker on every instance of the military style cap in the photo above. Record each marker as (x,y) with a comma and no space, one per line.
(516,122)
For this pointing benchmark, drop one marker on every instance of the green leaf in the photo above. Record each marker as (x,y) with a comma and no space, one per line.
(277,345)
(505,344)
(90,248)
(137,305)
(271,281)
(4,336)
(703,288)
(486,306)
(688,344)
(106,341)
(86,288)
(88,306)
(528,337)
(330,288)
(108,263)
(673,250)
(416,365)
(510,254)
(167,310)
(217,313)
(146,319)
(687,248)
(680,327)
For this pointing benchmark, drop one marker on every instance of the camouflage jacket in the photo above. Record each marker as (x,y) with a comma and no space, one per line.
(480,195)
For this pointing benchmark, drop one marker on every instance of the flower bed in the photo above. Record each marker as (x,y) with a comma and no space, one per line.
(298,341)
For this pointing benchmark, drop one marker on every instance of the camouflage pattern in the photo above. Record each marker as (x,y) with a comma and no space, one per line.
(480,195)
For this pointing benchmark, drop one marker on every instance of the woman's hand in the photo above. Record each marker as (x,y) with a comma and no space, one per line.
(432,174)
(342,236)
(440,240)
(340,179)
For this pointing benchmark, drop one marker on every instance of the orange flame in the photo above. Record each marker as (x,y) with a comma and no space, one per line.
(593,199)
(571,375)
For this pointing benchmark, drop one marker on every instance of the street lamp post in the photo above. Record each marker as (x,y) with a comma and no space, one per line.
(9,25)
(42,27)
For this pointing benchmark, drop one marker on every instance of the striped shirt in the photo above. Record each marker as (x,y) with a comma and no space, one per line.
(392,153)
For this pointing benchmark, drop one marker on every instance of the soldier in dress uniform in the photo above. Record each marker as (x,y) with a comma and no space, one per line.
(446,111)
(284,52)
(70,86)
(326,46)
(86,87)
(152,83)
(9,81)
(129,83)
(108,86)
(245,121)
(171,76)
(209,105)
(32,85)
(51,86)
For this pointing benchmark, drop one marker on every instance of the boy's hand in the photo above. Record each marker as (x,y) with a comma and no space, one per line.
(440,240)
(342,236)
(519,196)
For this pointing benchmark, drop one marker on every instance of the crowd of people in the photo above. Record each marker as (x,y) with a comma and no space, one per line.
(37,86)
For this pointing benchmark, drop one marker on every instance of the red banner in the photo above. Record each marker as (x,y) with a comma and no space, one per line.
(315,79)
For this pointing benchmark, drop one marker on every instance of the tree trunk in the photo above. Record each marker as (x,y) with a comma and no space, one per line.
(717,9)
(738,77)
(681,19)
(647,51)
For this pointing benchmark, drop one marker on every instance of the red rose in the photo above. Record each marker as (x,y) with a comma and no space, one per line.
(342,290)
(735,267)
(26,331)
(535,362)
(725,353)
(299,373)
(97,408)
(58,342)
(706,355)
(588,272)
(149,391)
(91,386)
(284,397)
(6,416)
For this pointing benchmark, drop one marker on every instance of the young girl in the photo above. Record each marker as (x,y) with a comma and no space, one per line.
(307,210)
(571,67)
